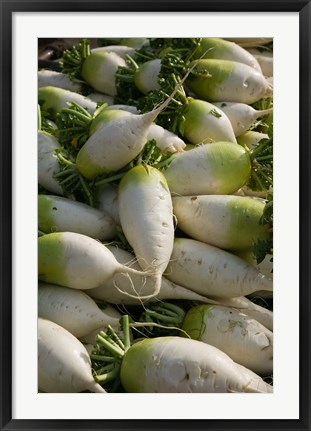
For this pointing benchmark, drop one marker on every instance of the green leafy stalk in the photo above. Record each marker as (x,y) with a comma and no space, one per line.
(73,59)
(168,316)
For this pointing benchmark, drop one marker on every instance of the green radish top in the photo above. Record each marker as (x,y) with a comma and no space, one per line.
(193,323)
(54,262)
(142,173)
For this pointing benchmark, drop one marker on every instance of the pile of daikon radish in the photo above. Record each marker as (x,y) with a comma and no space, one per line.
(155,181)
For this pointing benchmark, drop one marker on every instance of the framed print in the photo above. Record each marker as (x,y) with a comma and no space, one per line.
(162,60)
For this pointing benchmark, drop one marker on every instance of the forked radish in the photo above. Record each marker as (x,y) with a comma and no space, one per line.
(213,272)
(74,310)
(146,215)
(64,365)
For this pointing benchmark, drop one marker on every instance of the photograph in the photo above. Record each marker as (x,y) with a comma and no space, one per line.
(155,215)
(155,235)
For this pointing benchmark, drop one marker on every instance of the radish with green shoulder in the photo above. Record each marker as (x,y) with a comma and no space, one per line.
(220,168)
(225,221)
(172,365)
(74,310)
(213,272)
(219,80)
(60,214)
(204,122)
(77,261)
(116,143)
(64,365)
(146,215)
(147,74)
(241,337)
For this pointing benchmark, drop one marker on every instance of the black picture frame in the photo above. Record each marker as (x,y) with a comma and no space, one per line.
(7,9)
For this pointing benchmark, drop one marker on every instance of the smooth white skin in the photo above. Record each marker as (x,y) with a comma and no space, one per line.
(182,365)
(169,290)
(146,77)
(241,337)
(64,365)
(166,141)
(88,263)
(74,216)
(251,138)
(241,115)
(121,50)
(107,201)
(146,215)
(212,271)
(209,128)
(240,55)
(48,163)
(73,309)
(57,79)
(114,145)
(261,314)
